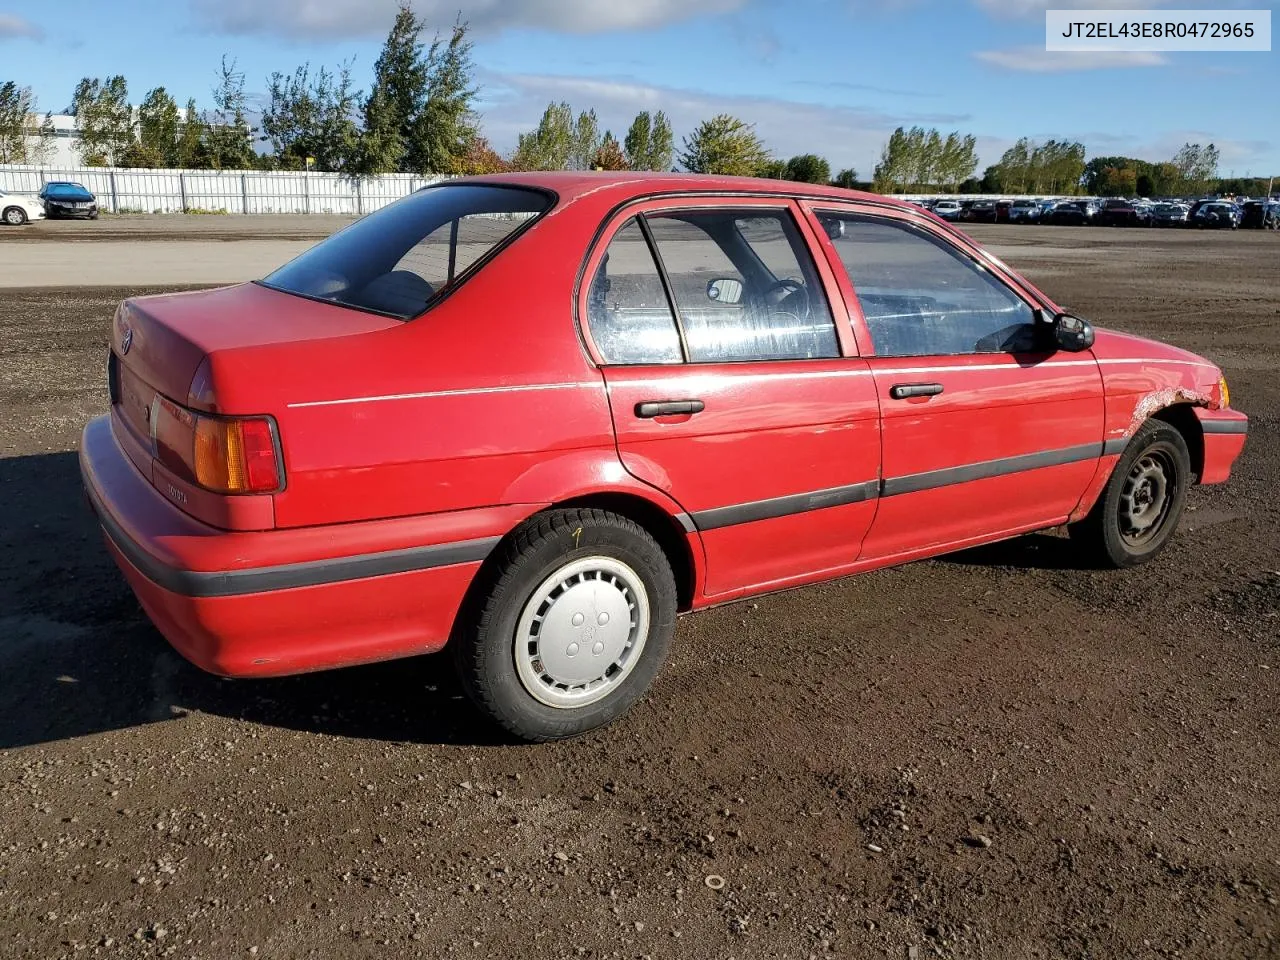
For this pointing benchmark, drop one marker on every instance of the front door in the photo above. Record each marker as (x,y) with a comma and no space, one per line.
(733,387)
(985,430)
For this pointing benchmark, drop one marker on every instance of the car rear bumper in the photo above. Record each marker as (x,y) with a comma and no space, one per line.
(1224,436)
(285,601)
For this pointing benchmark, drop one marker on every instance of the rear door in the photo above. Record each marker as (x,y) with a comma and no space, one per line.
(735,386)
(985,431)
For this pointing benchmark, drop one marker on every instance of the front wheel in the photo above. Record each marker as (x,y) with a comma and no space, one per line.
(570,626)
(1139,508)
(15,216)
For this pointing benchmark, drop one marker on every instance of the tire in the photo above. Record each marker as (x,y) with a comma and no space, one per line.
(14,216)
(1139,509)
(577,573)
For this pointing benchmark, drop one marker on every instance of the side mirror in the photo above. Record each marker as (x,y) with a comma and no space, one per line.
(725,290)
(1072,333)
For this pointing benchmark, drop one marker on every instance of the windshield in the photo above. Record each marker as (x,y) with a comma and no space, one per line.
(396,260)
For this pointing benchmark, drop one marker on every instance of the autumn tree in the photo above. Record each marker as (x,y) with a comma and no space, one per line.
(609,155)
(724,145)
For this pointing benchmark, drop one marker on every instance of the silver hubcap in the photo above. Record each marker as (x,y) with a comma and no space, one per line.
(1146,498)
(14,217)
(582,632)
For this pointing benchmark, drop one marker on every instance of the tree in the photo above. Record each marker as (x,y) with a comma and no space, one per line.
(23,139)
(228,138)
(609,156)
(724,145)
(586,141)
(481,158)
(808,168)
(397,98)
(1196,166)
(157,142)
(649,143)
(924,159)
(104,119)
(846,178)
(772,169)
(549,146)
(441,132)
(189,151)
(310,118)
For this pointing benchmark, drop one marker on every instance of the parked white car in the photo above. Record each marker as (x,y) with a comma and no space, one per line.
(15,209)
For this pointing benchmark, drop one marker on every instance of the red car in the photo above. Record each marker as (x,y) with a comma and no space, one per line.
(535,416)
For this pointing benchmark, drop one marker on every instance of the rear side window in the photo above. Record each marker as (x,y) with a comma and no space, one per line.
(745,286)
(628,311)
(922,297)
(397,260)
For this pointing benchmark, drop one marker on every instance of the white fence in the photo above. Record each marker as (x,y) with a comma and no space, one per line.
(121,190)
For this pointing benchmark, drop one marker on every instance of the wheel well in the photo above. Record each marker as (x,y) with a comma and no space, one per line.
(661,526)
(1182,417)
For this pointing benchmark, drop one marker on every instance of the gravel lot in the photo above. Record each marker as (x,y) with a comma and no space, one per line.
(994,755)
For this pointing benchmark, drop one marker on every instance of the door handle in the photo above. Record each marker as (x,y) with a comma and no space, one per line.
(668,408)
(902,391)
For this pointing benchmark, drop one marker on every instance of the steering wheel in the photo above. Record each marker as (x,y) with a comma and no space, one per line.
(779,290)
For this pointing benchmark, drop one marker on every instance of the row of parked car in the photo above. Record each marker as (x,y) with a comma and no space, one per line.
(57,199)
(1113,212)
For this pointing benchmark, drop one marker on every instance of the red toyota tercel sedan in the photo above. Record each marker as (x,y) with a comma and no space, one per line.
(536,416)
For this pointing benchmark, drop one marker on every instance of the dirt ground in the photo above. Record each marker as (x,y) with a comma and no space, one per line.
(994,755)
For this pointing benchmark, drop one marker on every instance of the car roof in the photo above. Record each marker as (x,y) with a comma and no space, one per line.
(571,185)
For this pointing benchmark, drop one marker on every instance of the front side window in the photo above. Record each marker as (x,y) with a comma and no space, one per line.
(745,286)
(921,296)
(396,260)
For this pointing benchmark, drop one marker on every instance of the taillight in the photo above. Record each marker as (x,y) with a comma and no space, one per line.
(222,454)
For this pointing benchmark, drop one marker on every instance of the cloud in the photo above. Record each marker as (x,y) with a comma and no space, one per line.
(13,27)
(846,136)
(1010,9)
(346,18)
(1034,59)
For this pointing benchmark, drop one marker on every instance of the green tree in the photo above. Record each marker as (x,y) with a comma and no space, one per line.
(609,155)
(157,142)
(772,169)
(189,152)
(724,145)
(310,117)
(397,98)
(23,137)
(549,146)
(649,143)
(228,138)
(442,131)
(104,119)
(846,178)
(808,168)
(586,141)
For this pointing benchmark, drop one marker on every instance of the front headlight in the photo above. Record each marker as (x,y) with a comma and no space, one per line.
(1224,394)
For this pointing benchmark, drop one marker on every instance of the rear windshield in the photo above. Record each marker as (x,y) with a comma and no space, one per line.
(397,260)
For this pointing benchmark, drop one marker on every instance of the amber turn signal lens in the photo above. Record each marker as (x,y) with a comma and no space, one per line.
(235,456)
(1224,394)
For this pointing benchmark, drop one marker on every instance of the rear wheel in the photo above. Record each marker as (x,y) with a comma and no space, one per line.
(15,216)
(571,627)
(1139,509)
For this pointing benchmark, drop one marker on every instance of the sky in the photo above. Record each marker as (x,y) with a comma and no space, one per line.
(832,77)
